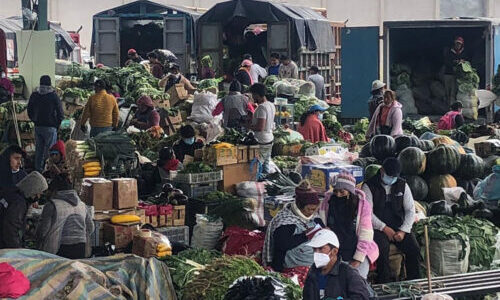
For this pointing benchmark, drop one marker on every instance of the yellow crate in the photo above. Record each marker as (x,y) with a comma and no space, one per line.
(221,156)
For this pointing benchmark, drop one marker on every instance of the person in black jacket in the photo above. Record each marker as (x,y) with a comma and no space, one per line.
(45,110)
(452,58)
(329,277)
(187,144)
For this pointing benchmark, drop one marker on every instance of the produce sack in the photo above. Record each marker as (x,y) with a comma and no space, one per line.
(405,97)
(437,90)
(448,257)
(239,241)
(470,103)
(255,190)
(285,88)
(307,89)
(206,233)
(203,105)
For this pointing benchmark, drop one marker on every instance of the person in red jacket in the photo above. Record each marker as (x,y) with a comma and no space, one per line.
(311,126)
(146,115)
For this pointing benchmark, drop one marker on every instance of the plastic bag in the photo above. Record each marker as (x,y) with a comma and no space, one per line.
(405,97)
(445,257)
(470,103)
(206,233)
(285,88)
(203,105)
(436,296)
(307,89)
(453,194)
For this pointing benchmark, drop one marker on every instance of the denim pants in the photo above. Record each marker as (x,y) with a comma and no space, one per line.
(96,130)
(265,156)
(45,137)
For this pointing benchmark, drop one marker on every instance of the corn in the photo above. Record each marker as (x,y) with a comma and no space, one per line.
(92,169)
(92,164)
(119,219)
(163,247)
(91,174)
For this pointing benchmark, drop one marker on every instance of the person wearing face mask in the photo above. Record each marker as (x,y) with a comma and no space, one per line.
(274,64)
(350,217)
(187,144)
(392,218)
(146,115)
(285,245)
(6,87)
(311,126)
(388,117)
(329,277)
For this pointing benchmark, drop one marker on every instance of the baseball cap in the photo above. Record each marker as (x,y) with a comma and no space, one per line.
(316,107)
(377,84)
(323,237)
(131,51)
(246,63)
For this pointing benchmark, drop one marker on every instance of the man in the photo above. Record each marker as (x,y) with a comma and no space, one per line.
(378,89)
(452,58)
(155,65)
(319,82)
(329,277)
(256,71)
(263,124)
(45,110)
(288,68)
(274,64)
(146,115)
(187,144)
(173,78)
(393,217)
(101,111)
(133,57)
(452,119)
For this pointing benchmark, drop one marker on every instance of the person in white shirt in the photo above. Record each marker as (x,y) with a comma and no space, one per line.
(256,71)
(288,68)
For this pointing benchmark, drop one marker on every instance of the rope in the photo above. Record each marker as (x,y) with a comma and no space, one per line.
(404,289)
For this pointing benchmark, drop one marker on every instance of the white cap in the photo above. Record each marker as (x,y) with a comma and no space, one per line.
(323,237)
(377,84)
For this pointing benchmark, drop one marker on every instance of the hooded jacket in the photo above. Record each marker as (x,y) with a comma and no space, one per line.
(394,121)
(150,117)
(45,108)
(313,130)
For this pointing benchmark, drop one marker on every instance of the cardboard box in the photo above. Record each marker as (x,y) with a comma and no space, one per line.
(125,193)
(315,150)
(320,176)
(97,192)
(118,235)
(144,246)
(487,148)
(234,174)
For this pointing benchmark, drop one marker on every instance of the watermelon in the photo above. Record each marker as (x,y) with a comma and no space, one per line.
(418,187)
(412,161)
(471,166)
(426,145)
(365,151)
(442,160)
(371,171)
(460,137)
(382,146)
(405,141)
(437,183)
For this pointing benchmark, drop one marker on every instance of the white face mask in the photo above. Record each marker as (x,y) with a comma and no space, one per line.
(3,75)
(321,259)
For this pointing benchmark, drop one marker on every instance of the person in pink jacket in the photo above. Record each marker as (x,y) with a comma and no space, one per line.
(388,117)
(349,215)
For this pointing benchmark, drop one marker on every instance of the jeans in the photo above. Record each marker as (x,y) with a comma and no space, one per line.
(450,86)
(45,137)
(265,156)
(364,268)
(96,130)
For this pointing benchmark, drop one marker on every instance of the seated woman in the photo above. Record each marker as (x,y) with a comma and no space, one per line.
(146,115)
(235,106)
(350,217)
(167,161)
(56,163)
(311,126)
(187,144)
(287,235)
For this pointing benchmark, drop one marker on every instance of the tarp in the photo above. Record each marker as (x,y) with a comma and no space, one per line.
(122,276)
(310,28)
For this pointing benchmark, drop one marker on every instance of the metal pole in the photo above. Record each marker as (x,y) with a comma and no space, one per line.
(14,120)
(428,259)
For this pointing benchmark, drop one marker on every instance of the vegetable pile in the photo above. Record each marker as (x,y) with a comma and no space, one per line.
(286,162)
(196,167)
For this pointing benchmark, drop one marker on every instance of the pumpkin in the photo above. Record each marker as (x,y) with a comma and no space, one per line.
(471,166)
(437,183)
(412,161)
(418,187)
(459,136)
(426,145)
(443,160)
(468,185)
(382,146)
(365,151)
(371,171)
(365,161)
(405,141)
(444,140)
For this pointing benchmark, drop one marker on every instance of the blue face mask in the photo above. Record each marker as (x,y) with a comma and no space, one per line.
(388,180)
(189,141)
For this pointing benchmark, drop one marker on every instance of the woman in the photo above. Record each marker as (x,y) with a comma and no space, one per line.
(290,230)
(146,115)
(235,106)
(311,126)
(243,74)
(56,163)
(388,117)
(207,70)
(452,119)
(349,216)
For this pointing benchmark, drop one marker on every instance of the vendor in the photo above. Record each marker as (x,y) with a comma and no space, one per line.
(350,217)
(274,64)
(101,111)
(175,77)
(243,75)
(187,143)
(207,70)
(288,68)
(235,106)
(377,98)
(6,87)
(285,245)
(311,126)
(330,277)
(452,119)
(133,57)
(452,58)
(388,117)
(66,223)
(155,65)
(56,163)
(146,115)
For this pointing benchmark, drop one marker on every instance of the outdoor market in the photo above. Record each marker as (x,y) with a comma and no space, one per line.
(232,161)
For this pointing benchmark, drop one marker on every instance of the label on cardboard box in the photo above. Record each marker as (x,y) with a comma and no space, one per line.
(320,176)
(125,193)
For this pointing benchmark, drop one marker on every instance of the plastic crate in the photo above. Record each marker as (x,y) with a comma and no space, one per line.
(197,190)
(195,178)
(176,234)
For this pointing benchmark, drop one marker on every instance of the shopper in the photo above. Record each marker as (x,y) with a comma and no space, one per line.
(263,125)
(350,217)
(388,117)
(377,97)
(452,58)
(393,217)
(187,143)
(101,111)
(56,164)
(319,82)
(235,106)
(256,71)
(452,119)
(6,87)
(288,68)
(311,126)
(330,277)
(45,110)
(285,245)
(243,75)
(14,206)
(274,65)
(155,66)
(133,57)
(66,223)
(146,115)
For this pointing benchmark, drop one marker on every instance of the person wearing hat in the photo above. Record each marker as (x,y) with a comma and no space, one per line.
(17,200)
(319,82)
(388,117)
(285,245)
(45,110)
(377,98)
(330,277)
(350,217)
(101,111)
(56,163)
(452,58)
(133,57)
(146,115)
(393,217)
(288,68)
(256,71)
(452,119)
(311,126)
(243,74)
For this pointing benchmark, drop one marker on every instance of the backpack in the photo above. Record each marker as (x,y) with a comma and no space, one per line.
(447,121)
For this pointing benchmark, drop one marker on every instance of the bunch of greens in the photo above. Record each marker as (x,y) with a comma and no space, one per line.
(209,83)
(231,136)
(77,93)
(332,125)
(172,111)
(468,128)
(196,167)
(400,74)
(26,127)
(467,78)
(303,105)
(279,184)
(218,197)
(286,162)
(269,83)
(236,212)
(418,127)
(17,81)
(6,107)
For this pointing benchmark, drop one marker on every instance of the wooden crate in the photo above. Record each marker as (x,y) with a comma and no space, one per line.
(234,174)
(162,103)
(220,157)
(253,152)
(178,216)
(242,153)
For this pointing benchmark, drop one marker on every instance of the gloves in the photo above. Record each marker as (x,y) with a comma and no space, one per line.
(83,128)
(312,231)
